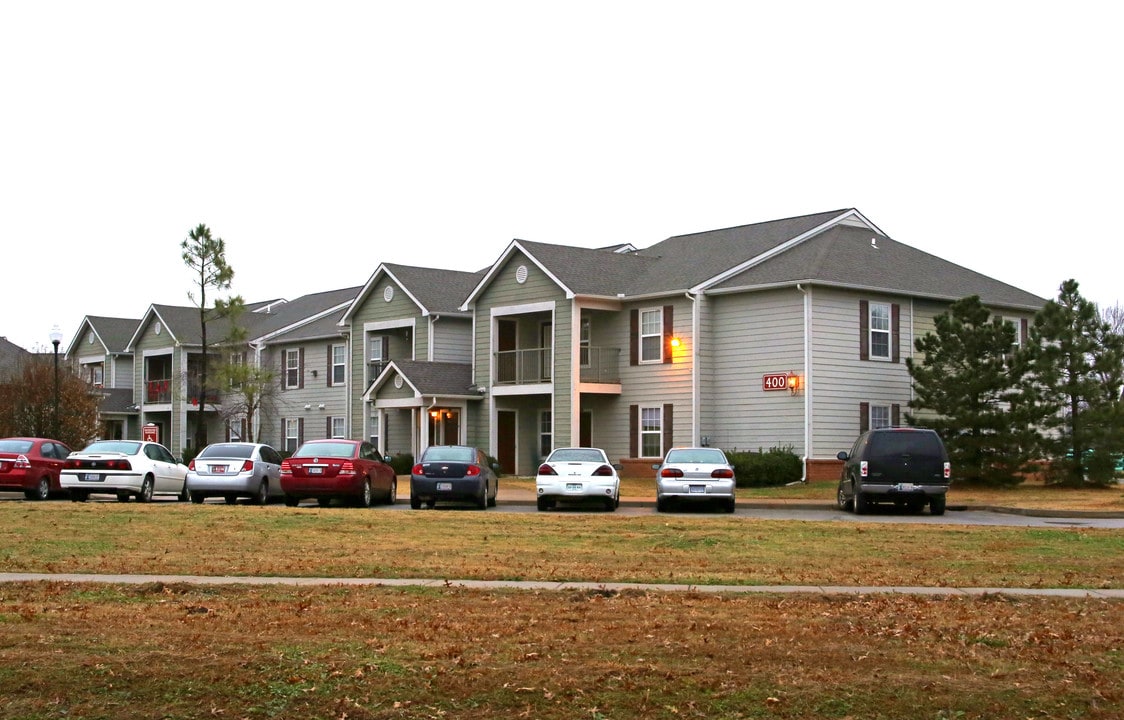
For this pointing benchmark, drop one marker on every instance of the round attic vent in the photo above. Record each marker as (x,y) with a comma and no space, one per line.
(157,329)
(388,293)
(398,382)
(521,274)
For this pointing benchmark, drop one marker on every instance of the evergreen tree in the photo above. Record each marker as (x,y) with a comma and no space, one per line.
(966,388)
(1077,370)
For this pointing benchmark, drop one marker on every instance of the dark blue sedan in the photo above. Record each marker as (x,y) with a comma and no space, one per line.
(453,473)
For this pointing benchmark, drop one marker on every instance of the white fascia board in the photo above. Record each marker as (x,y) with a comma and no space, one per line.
(147,318)
(504,257)
(742,267)
(547,306)
(391,368)
(75,341)
(376,325)
(598,302)
(362,295)
(300,323)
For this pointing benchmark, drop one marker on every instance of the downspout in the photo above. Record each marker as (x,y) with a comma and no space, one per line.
(432,333)
(696,322)
(255,430)
(807,397)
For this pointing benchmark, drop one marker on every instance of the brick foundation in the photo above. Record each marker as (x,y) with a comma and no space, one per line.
(639,467)
(824,470)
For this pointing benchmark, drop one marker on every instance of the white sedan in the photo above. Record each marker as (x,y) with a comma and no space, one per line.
(126,468)
(578,474)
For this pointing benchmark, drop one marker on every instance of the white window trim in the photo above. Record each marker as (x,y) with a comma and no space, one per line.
(292,432)
(888,332)
(641,335)
(342,431)
(341,348)
(294,354)
(658,432)
(585,334)
(546,430)
(889,416)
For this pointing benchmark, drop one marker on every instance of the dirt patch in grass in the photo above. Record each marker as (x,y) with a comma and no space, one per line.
(177,651)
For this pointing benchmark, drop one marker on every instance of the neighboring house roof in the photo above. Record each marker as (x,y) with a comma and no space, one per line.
(433,290)
(427,379)
(12,357)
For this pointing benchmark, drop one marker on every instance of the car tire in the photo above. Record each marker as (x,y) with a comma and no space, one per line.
(365,498)
(937,504)
(291,501)
(230,499)
(261,497)
(543,504)
(610,504)
(731,505)
(415,502)
(482,501)
(662,504)
(184,495)
(42,490)
(198,498)
(495,492)
(145,494)
(392,494)
(862,505)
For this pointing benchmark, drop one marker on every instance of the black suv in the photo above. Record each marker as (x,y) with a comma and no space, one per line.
(905,466)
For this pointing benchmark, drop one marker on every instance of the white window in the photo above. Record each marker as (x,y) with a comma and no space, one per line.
(1016,325)
(292,434)
(879,416)
(583,341)
(235,371)
(374,426)
(339,429)
(292,368)
(651,335)
(880,331)
(339,364)
(651,432)
(546,433)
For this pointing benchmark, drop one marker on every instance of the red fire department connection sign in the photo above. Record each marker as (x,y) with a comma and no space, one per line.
(774,381)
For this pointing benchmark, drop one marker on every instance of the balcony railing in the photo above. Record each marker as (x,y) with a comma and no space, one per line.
(535,365)
(158,391)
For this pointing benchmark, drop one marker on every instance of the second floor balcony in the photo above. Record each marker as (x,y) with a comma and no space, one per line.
(161,390)
(536,365)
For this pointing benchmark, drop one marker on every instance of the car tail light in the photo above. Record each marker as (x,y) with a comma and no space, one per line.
(603,471)
(286,467)
(723,473)
(545,469)
(248,466)
(72,465)
(418,469)
(947,471)
(863,469)
(22,463)
(348,468)
(191,465)
(119,465)
(671,472)
(472,471)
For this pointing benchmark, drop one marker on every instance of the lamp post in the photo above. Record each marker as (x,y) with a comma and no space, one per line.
(56,338)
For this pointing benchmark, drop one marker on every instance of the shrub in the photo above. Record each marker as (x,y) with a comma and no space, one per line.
(765,468)
(402,463)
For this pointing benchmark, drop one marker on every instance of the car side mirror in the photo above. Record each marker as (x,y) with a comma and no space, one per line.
(618,467)
(496,466)
(387,459)
(842,455)
(656,466)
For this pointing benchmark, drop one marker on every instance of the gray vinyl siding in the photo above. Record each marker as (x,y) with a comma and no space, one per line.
(290,402)
(750,335)
(399,430)
(452,340)
(119,372)
(840,380)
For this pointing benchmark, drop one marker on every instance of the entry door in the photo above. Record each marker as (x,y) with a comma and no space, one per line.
(585,430)
(505,440)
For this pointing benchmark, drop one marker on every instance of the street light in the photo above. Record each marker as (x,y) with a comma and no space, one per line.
(56,338)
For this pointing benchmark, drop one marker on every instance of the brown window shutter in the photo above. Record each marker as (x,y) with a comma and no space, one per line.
(327,427)
(668,426)
(895,332)
(864,330)
(228,432)
(864,417)
(300,368)
(895,415)
(284,375)
(1024,326)
(300,432)
(634,339)
(634,430)
(668,331)
(328,372)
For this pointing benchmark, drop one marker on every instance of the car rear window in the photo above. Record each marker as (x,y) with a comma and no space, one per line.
(449,454)
(118,446)
(15,446)
(227,450)
(895,444)
(703,456)
(326,449)
(576,455)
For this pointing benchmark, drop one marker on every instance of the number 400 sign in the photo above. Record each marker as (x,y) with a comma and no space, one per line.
(774,381)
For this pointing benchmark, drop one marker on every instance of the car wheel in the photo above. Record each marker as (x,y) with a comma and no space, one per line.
(862,505)
(392,495)
(122,496)
(544,505)
(662,504)
(495,492)
(184,495)
(482,501)
(610,505)
(365,497)
(42,490)
(145,494)
(841,498)
(291,501)
(415,502)
(730,505)
(198,498)
(937,504)
(262,496)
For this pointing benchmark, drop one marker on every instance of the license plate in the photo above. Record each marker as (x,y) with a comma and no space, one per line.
(698,489)
(91,477)
(574,487)
(218,469)
(316,471)
(444,486)
(906,487)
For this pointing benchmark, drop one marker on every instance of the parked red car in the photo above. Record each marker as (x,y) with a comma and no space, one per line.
(32,465)
(348,470)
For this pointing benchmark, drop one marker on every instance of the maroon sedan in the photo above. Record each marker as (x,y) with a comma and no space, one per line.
(349,470)
(31,466)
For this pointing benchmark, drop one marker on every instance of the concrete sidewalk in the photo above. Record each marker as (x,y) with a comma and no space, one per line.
(555,586)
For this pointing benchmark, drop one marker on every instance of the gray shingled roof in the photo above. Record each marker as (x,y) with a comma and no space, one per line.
(588,271)
(439,291)
(115,333)
(294,311)
(438,378)
(12,357)
(843,256)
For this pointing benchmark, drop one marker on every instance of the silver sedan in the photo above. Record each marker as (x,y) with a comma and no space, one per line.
(695,474)
(235,469)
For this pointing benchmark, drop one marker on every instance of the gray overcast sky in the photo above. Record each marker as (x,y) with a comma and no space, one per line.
(319,139)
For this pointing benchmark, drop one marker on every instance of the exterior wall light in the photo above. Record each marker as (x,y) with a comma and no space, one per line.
(793,383)
(675,342)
